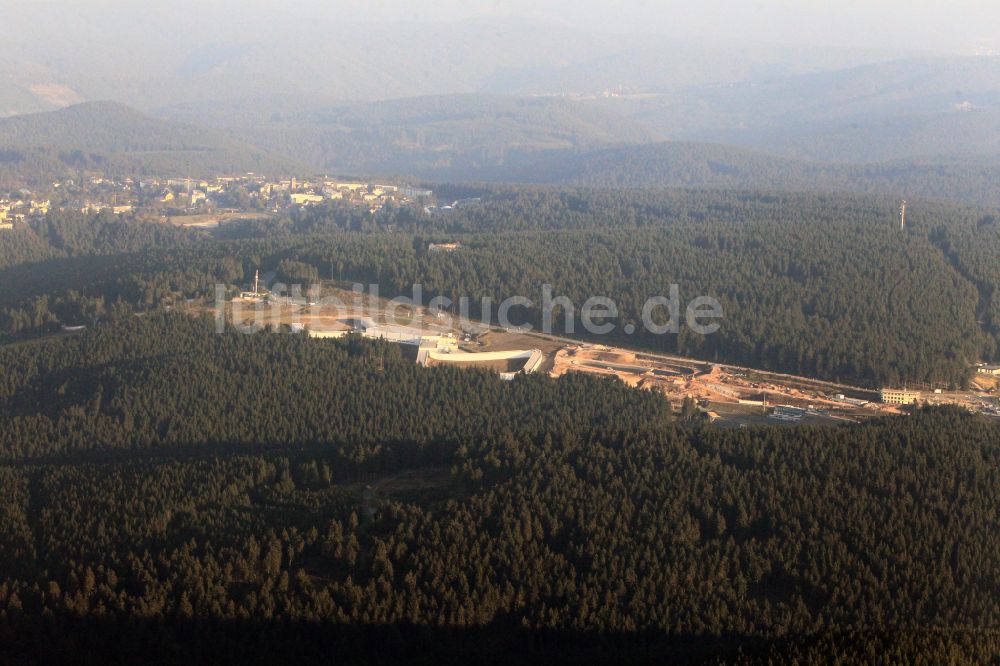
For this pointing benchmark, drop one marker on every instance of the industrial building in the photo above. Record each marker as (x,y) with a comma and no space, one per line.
(989,370)
(415,193)
(524,360)
(787,413)
(441,348)
(892,396)
(305,198)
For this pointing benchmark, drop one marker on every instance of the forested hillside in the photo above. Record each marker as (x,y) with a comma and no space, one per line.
(553,141)
(822,286)
(714,166)
(239,498)
(31,167)
(796,300)
(466,138)
(160,381)
(442,136)
(107,136)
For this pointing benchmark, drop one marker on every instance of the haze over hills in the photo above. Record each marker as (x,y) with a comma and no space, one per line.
(116,137)
(563,141)
(148,55)
(680,164)
(426,136)
(449,138)
(651,66)
(965,134)
(298,86)
(926,107)
(930,111)
(497,99)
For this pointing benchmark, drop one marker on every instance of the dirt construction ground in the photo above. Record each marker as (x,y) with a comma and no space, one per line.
(730,394)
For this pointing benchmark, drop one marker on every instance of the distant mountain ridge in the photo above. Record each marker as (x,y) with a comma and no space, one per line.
(932,110)
(375,95)
(921,107)
(424,135)
(148,55)
(457,138)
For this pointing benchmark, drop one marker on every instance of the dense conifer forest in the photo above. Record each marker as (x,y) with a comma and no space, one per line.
(827,286)
(281,379)
(169,491)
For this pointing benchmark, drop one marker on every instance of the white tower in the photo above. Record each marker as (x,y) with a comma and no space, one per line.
(902,216)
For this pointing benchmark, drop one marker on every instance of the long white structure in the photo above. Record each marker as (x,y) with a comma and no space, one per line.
(437,348)
(533,358)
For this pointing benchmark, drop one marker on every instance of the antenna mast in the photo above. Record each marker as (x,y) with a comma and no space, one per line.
(902,216)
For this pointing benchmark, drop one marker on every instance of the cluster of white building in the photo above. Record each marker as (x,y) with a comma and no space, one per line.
(124,195)
(18,210)
(436,347)
(373,196)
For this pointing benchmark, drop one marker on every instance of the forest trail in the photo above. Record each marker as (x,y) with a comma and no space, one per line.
(369,496)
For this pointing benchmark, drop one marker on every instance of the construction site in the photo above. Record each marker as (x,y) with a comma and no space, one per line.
(727,395)
(435,343)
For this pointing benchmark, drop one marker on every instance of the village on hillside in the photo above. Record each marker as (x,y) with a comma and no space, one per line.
(205,202)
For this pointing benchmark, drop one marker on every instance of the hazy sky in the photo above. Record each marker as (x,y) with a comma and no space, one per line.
(954,25)
(939,24)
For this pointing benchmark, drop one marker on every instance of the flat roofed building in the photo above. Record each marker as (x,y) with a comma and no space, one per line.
(988,369)
(892,396)
(303,199)
(415,193)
